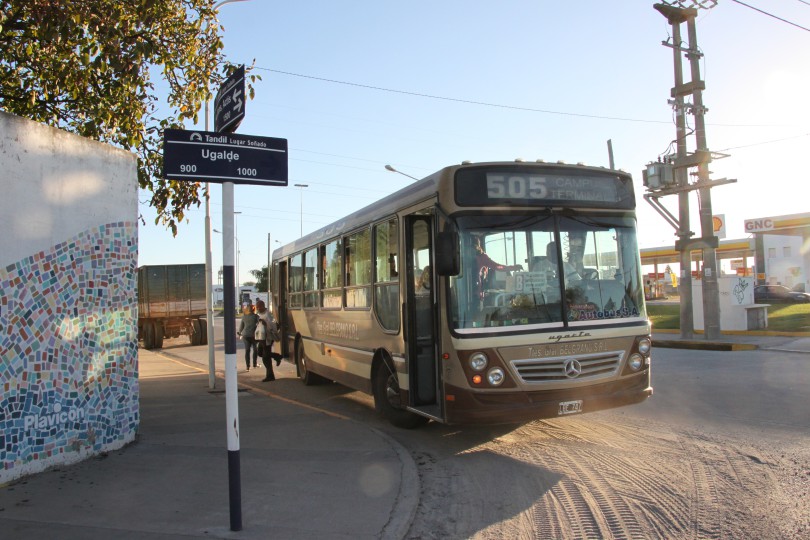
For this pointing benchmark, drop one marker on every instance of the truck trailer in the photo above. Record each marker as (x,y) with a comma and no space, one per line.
(171,303)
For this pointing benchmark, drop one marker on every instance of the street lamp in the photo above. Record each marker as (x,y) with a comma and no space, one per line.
(209,309)
(390,168)
(301,187)
(234,481)
(236,239)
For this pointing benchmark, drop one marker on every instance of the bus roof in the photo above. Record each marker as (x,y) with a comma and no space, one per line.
(421,190)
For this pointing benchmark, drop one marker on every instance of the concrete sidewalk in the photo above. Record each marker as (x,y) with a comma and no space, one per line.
(305,473)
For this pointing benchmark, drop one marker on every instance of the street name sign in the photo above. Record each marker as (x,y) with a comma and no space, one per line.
(209,156)
(229,105)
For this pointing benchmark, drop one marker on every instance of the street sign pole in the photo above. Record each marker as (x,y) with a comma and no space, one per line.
(228,158)
(231,390)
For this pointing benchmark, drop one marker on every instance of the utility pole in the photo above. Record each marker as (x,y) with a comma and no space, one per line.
(682,181)
(711,291)
(670,175)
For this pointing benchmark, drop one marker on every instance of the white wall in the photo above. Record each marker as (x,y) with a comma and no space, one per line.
(68,309)
(781,268)
(735,294)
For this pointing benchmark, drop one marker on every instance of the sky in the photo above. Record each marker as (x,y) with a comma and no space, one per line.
(420,85)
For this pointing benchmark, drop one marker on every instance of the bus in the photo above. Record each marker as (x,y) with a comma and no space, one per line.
(496,292)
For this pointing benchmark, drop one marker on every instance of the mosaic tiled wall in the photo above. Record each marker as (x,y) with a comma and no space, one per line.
(68,346)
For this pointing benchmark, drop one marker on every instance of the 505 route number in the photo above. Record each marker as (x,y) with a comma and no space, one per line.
(516,187)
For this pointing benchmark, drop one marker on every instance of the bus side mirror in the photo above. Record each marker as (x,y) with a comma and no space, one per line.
(448,261)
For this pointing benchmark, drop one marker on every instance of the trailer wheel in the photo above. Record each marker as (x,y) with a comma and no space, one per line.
(158,330)
(148,335)
(203,332)
(196,332)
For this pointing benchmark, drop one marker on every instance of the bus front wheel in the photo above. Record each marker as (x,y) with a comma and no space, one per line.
(387,398)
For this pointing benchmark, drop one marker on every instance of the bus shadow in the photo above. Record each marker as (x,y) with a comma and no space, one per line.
(458,462)
(487,488)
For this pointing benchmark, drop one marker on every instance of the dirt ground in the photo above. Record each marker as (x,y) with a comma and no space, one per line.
(609,476)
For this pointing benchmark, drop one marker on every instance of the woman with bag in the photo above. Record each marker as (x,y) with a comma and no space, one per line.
(267,322)
(247,331)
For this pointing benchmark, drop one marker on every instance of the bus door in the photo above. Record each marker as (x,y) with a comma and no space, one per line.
(281,309)
(420,320)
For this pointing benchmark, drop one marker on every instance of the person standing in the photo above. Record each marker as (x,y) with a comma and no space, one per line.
(271,330)
(247,329)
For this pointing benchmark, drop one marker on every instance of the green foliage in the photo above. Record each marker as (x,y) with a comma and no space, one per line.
(261,279)
(86,66)
(789,317)
(664,316)
(781,317)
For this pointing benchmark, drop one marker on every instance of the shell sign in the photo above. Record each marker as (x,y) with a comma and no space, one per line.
(719,225)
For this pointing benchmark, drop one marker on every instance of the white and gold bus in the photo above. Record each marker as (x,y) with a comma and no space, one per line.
(483,293)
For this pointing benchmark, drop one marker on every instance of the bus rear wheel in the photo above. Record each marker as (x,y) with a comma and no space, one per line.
(306,376)
(387,399)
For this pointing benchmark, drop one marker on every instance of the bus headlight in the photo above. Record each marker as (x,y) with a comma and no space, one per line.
(644,346)
(479,361)
(636,361)
(495,376)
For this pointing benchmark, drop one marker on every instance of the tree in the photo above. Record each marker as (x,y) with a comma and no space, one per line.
(261,279)
(87,66)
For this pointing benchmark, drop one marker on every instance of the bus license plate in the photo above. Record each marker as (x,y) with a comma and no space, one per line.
(570,407)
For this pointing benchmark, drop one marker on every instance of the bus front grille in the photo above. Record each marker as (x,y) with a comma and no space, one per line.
(568,368)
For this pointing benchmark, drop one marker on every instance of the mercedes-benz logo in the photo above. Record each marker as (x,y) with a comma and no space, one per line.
(572,368)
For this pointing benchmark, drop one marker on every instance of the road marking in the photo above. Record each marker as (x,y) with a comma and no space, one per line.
(253,388)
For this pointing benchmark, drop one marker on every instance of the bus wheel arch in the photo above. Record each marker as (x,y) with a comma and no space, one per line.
(307,377)
(386,391)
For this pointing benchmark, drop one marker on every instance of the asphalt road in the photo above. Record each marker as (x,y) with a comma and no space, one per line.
(735,392)
(722,450)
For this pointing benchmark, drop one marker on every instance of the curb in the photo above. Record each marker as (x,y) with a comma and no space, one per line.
(703,345)
(755,333)
(404,510)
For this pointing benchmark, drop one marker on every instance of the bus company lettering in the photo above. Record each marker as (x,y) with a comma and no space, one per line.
(59,416)
(578,313)
(565,349)
(560,337)
(342,330)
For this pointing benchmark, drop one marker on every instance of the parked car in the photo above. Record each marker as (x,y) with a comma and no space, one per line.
(778,293)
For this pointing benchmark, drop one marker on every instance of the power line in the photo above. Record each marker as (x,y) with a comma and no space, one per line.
(765,142)
(772,15)
(459,100)
(486,104)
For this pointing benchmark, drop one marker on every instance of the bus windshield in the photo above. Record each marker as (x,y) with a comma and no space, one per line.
(545,270)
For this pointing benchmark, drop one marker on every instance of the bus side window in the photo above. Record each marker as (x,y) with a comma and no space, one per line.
(358,269)
(386,274)
(333,275)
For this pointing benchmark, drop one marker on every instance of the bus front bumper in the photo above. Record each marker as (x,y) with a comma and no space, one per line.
(478,407)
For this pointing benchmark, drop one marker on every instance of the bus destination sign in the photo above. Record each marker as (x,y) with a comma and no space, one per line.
(210,156)
(479,187)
